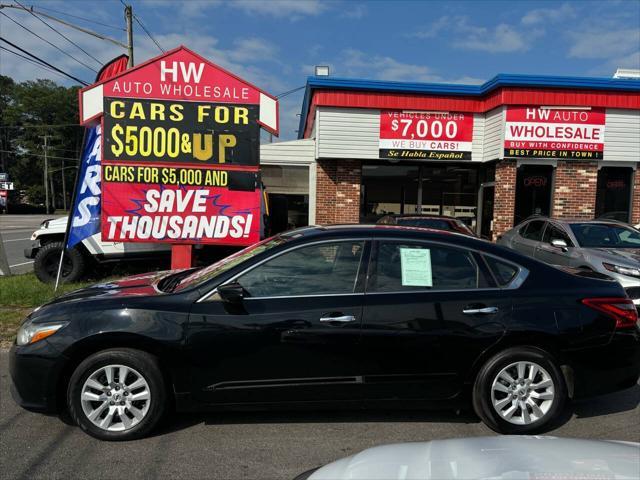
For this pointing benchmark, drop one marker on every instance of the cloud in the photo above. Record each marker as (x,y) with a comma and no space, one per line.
(541,15)
(604,43)
(354,11)
(501,38)
(291,9)
(253,49)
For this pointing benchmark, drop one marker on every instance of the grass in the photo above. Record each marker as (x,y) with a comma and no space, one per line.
(19,294)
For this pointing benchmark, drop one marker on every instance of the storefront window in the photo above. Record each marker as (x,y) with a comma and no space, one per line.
(288,192)
(613,195)
(424,189)
(533,191)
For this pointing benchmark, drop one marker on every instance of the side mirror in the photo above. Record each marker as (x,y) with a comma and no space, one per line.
(559,243)
(231,292)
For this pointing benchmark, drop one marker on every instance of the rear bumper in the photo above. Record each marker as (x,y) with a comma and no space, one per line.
(35,372)
(608,369)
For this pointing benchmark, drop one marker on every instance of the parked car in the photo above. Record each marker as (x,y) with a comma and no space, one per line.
(333,316)
(499,457)
(604,246)
(437,222)
(47,244)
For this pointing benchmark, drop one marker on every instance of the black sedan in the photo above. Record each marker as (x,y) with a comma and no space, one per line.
(325,316)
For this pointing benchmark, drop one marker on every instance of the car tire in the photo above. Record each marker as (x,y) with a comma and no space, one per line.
(111,408)
(47,259)
(515,380)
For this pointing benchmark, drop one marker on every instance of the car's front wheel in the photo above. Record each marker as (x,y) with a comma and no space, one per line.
(47,260)
(117,394)
(519,391)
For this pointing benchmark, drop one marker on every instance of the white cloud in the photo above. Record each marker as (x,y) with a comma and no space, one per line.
(501,38)
(355,11)
(604,43)
(253,49)
(541,15)
(291,9)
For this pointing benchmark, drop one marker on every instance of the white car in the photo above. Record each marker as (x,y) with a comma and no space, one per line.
(47,246)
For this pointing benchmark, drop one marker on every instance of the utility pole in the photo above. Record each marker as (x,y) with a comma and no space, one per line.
(46,169)
(128,14)
(64,188)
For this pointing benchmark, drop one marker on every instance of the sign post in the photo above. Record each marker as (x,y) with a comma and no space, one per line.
(180,153)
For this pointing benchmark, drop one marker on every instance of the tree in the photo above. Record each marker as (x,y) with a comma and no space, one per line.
(29,111)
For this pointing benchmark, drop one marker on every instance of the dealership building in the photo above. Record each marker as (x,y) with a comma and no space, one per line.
(490,154)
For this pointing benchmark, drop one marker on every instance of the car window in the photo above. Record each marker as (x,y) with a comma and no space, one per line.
(416,266)
(605,235)
(555,233)
(434,223)
(324,268)
(534,230)
(503,272)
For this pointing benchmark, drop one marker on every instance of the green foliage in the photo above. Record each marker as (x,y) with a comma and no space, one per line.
(27,291)
(31,110)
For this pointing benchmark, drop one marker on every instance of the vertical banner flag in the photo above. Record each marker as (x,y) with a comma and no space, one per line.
(84,218)
(180,152)
(547,132)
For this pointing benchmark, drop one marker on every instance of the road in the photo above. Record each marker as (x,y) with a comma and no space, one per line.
(260,446)
(16,231)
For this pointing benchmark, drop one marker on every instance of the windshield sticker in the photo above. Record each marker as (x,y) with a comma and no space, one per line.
(415,264)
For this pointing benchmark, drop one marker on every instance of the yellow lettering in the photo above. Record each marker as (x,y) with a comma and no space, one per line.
(115,109)
(201,152)
(225,141)
(241,115)
(203,111)
(176,112)
(137,111)
(157,111)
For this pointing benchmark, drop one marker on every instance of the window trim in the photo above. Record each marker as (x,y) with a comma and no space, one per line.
(545,223)
(515,283)
(357,283)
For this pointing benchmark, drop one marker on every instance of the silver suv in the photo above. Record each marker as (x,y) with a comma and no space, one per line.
(605,246)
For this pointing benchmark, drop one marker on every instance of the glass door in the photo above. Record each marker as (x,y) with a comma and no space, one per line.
(486,195)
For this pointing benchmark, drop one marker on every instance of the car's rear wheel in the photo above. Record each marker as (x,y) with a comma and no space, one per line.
(519,391)
(47,259)
(117,394)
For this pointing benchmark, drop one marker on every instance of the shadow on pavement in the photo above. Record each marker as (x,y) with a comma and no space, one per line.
(607,404)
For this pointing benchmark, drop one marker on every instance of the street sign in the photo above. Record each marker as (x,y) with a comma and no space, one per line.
(6,185)
(4,177)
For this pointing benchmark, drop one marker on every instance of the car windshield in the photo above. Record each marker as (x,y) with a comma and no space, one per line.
(221,266)
(605,235)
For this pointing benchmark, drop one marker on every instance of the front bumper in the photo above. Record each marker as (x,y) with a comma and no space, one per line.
(35,373)
(32,251)
(608,369)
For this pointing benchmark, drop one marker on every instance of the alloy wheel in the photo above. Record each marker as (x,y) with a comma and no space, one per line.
(115,398)
(522,393)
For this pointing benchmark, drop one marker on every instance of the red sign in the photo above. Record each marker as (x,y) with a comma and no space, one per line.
(556,133)
(425,135)
(180,151)
(151,213)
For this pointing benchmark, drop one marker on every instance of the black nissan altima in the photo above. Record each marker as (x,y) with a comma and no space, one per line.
(333,316)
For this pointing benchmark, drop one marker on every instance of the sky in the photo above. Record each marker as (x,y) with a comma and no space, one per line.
(275,44)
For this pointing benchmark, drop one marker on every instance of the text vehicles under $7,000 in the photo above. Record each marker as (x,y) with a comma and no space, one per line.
(167,131)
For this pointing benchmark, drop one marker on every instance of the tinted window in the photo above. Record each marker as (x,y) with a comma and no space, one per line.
(502,271)
(409,266)
(603,235)
(533,231)
(554,233)
(325,268)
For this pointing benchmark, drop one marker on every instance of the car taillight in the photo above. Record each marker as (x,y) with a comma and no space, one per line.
(621,309)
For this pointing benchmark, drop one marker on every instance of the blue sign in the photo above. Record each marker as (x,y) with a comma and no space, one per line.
(85,212)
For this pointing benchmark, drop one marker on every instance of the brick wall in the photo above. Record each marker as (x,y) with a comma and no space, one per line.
(505,197)
(574,195)
(338,191)
(635,199)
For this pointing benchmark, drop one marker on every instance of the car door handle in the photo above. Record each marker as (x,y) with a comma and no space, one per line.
(480,311)
(340,319)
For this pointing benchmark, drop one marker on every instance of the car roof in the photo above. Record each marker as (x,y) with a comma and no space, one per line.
(569,221)
(419,215)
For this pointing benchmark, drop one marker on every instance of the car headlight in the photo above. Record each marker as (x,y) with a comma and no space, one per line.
(628,271)
(30,332)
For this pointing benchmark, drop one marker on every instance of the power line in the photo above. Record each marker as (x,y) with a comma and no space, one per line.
(39,155)
(30,60)
(61,34)
(47,41)
(135,17)
(79,18)
(58,125)
(42,61)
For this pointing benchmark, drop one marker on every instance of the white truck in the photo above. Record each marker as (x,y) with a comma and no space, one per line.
(47,244)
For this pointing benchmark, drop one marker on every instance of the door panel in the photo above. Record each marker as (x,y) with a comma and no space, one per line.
(294,335)
(419,342)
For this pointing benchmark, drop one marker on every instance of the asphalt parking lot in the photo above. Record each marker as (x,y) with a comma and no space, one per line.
(257,445)
(16,231)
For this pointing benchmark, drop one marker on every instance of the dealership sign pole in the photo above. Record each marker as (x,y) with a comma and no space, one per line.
(180,153)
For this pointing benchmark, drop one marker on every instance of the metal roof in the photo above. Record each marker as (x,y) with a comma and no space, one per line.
(452,89)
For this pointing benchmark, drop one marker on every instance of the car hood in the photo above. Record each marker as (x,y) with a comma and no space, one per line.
(135,285)
(499,457)
(627,255)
